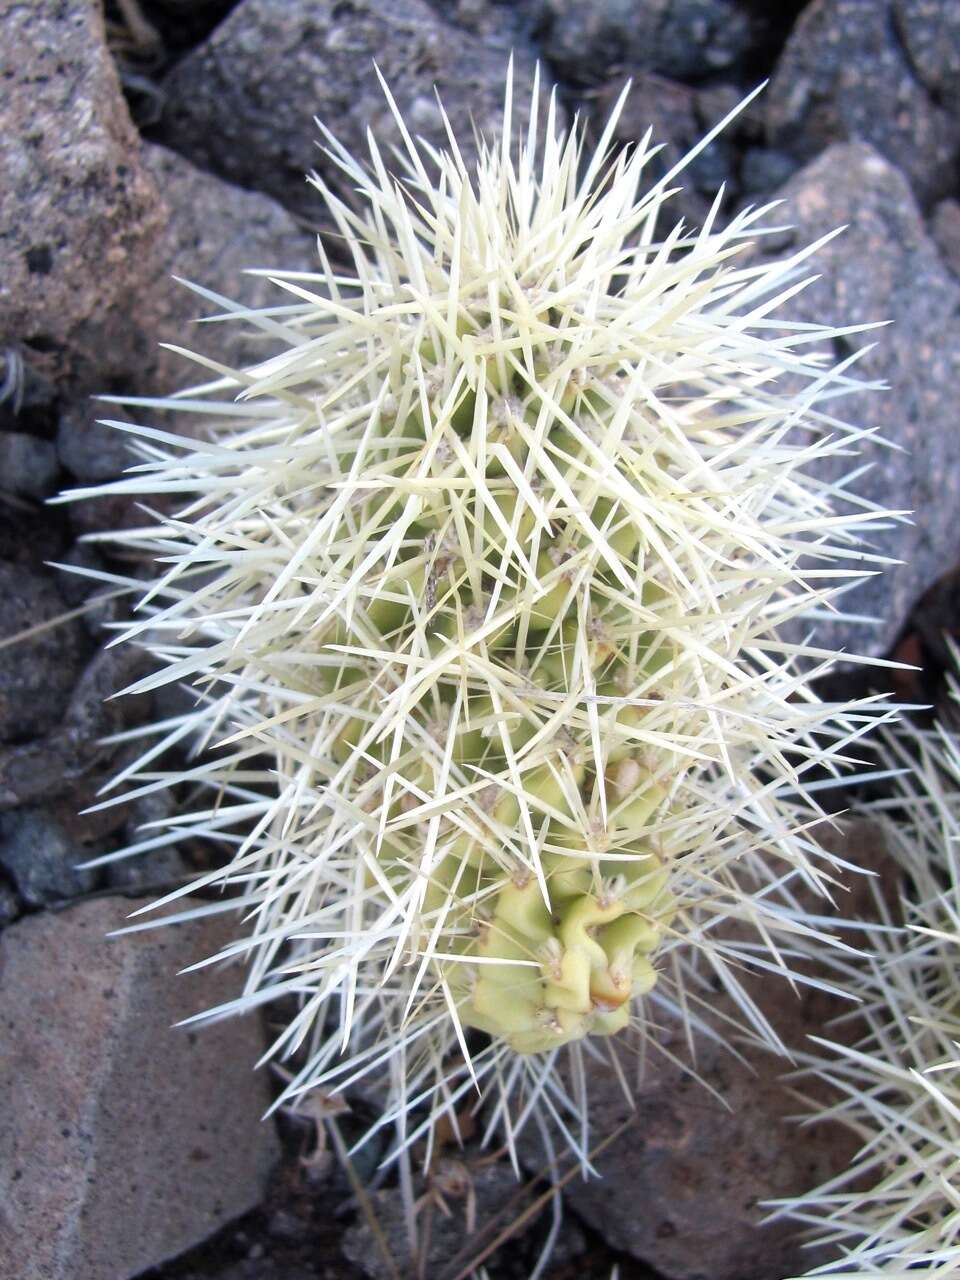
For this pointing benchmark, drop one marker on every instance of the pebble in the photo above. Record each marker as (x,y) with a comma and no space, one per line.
(40,858)
(28,465)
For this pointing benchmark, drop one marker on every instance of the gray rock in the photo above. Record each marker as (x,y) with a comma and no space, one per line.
(76,587)
(156,869)
(123,1140)
(846,73)
(763,169)
(930,33)
(945,232)
(77,213)
(41,859)
(9,905)
(75,753)
(885,267)
(215,232)
(36,674)
(89,450)
(28,466)
(681,1189)
(240,104)
(93,225)
(682,39)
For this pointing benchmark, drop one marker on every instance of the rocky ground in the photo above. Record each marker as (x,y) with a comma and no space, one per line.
(171,137)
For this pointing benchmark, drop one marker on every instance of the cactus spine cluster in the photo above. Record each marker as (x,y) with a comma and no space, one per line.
(896,1210)
(481,584)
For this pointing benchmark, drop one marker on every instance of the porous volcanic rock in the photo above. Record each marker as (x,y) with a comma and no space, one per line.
(123,1140)
(216,232)
(240,104)
(38,855)
(683,39)
(885,267)
(212,234)
(945,230)
(73,757)
(78,213)
(872,71)
(930,33)
(37,674)
(93,225)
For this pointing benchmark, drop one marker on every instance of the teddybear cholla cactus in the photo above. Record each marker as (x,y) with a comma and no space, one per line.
(896,1210)
(478,588)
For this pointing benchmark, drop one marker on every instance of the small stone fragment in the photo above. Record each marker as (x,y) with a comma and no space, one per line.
(41,859)
(28,466)
(36,674)
(945,231)
(89,450)
(51,765)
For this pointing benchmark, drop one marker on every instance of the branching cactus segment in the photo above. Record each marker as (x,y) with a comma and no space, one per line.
(895,1211)
(479,585)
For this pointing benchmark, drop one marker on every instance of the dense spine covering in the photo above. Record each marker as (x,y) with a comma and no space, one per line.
(895,1211)
(481,586)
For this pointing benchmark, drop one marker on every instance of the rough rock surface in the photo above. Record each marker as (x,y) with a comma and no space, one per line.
(240,104)
(78,214)
(214,232)
(28,466)
(93,225)
(73,754)
(930,33)
(945,230)
(872,70)
(123,1141)
(40,858)
(682,1189)
(678,38)
(36,674)
(884,267)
